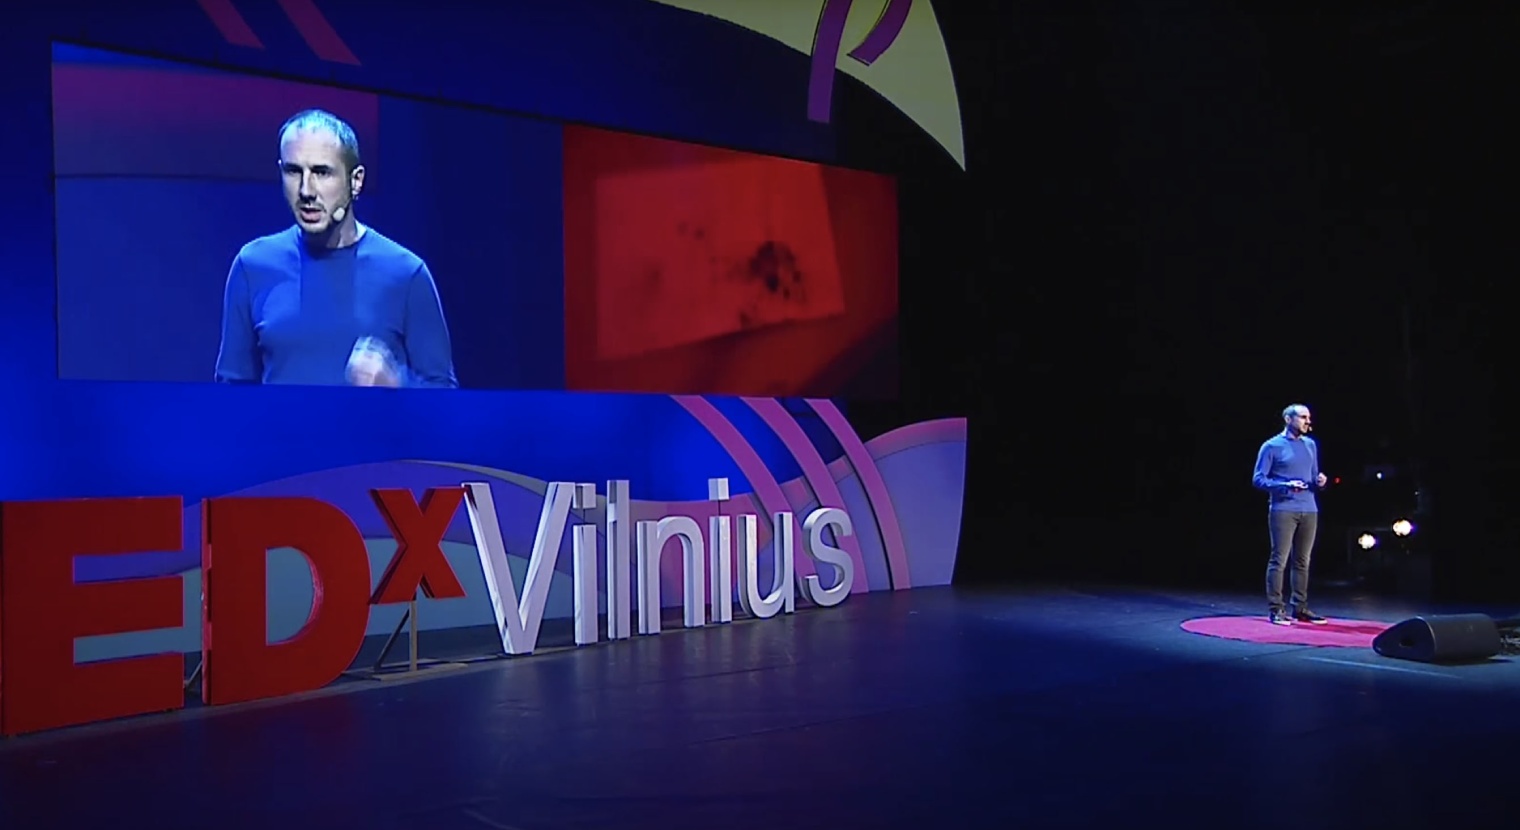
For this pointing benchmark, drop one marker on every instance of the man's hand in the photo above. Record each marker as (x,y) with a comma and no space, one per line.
(1296,484)
(372,371)
(1320,481)
(371,365)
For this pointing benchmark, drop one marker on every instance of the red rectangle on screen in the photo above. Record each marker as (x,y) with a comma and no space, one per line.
(692,269)
(692,253)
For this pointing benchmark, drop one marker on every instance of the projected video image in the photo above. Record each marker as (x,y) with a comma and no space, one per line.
(691,269)
(218,227)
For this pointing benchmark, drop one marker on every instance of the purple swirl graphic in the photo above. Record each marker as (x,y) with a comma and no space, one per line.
(814,470)
(884,33)
(827,39)
(877,494)
(750,464)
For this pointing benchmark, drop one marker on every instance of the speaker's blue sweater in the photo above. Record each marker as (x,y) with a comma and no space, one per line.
(292,312)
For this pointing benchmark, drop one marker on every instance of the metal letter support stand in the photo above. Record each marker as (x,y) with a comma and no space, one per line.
(414,666)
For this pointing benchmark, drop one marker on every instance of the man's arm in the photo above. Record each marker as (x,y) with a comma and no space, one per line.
(237,360)
(1261,476)
(1314,464)
(429,352)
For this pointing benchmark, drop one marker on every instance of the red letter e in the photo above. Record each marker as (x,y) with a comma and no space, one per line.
(43,610)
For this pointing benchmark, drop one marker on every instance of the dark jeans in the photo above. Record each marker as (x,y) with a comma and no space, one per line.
(1291,532)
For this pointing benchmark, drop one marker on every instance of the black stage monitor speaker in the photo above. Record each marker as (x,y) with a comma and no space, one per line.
(1451,638)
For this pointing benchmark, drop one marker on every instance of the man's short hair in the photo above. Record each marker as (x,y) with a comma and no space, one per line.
(1291,408)
(315,119)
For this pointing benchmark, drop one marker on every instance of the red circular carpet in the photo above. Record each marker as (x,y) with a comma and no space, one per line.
(1335,633)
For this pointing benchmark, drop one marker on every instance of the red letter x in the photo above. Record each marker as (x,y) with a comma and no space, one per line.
(419,561)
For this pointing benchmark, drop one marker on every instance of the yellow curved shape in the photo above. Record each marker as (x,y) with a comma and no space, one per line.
(913,75)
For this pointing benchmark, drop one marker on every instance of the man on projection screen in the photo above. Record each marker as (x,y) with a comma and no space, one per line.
(330,301)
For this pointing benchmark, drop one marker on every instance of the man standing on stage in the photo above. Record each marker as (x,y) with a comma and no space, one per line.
(1287,467)
(329,301)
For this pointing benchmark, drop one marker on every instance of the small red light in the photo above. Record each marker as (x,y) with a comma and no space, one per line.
(1337,479)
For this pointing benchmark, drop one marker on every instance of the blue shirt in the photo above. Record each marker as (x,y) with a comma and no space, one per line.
(1284,458)
(291,313)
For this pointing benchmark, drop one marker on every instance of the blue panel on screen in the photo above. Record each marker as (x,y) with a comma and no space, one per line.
(483,193)
(141,264)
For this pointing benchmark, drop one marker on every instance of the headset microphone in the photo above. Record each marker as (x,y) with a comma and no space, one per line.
(342,210)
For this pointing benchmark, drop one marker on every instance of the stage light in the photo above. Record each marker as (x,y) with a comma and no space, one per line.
(1367,541)
(1402,527)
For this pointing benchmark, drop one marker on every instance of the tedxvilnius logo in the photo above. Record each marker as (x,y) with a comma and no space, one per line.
(707,563)
(42,687)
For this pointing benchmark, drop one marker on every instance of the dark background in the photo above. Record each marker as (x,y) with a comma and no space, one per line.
(1174,222)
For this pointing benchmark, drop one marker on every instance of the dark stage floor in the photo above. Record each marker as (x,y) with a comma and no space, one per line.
(934,708)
